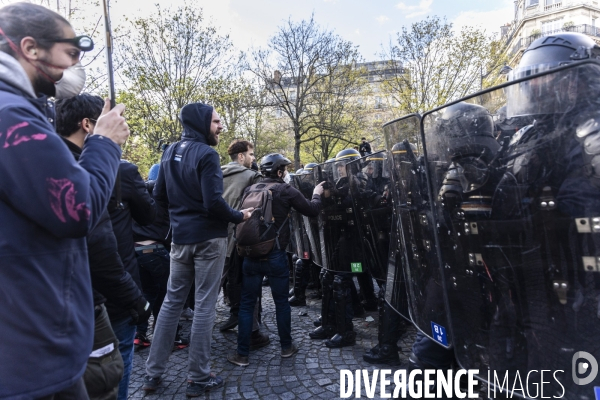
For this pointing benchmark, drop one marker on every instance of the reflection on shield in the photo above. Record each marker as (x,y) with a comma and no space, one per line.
(369,189)
(517,217)
(420,267)
(305,183)
(339,236)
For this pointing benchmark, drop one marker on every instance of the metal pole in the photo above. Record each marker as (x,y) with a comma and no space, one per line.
(111,89)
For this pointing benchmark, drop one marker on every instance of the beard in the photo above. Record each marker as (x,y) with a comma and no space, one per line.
(213,139)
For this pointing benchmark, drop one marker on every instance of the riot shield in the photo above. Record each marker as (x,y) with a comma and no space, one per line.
(416,232)
(369,189)
(340,240)
(518,220)
(305,183)
(301,247)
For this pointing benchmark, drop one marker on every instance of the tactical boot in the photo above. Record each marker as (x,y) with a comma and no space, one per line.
(231,323)
(373,351)
(347,339)
(317,322)
(297,301)
(322,332)
(387,354)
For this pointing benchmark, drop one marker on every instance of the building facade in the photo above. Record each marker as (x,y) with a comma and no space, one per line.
(535,18)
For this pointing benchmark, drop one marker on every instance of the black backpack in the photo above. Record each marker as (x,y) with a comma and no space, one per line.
(257,236)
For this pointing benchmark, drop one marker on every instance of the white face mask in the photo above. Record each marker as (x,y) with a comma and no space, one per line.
(287,178)
(71,83)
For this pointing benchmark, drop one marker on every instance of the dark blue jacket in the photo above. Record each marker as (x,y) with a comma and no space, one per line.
(48,204)
(190,182)
(138,206)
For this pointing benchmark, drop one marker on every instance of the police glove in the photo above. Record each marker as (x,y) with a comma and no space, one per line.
(140,312)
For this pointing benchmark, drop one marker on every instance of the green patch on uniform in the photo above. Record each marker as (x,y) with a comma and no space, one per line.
(356,267)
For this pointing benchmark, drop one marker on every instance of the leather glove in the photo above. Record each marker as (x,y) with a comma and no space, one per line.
(140,312)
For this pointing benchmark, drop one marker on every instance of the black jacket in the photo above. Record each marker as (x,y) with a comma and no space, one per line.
(284,198)
(190,182)
(157,230)
(110,282)
(138,206)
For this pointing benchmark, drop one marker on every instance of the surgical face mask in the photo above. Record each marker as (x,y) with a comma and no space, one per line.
(287,178)
(71,83)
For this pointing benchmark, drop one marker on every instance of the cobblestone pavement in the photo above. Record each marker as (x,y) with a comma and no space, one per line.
(313,373)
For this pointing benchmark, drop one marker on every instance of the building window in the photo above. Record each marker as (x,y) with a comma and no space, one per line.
(278,113)
(531,3)
(549,27)
(292,95)
(378,102)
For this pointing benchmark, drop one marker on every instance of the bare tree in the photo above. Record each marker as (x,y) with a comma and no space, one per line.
(298,60)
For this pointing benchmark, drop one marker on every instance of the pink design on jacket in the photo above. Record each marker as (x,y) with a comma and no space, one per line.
(62,196)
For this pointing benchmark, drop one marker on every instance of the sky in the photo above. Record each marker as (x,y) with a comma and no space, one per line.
(368,24)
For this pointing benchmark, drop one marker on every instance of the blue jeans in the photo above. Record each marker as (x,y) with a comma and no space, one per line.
(275,266)
(202,264)
(154,274)
(125,333)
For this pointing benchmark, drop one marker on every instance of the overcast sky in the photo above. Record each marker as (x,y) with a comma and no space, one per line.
(367,24)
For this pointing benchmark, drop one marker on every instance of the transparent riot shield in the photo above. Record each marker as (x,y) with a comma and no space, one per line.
(518,223)
(301,246)
(339,236)
(416,229)
(371,198)
(305,183)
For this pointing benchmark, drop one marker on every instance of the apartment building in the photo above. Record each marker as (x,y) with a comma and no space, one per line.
(535,18)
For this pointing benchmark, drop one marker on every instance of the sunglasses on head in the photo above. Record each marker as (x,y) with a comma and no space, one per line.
(83,42)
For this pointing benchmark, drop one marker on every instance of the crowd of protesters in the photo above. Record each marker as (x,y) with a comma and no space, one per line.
(102,250)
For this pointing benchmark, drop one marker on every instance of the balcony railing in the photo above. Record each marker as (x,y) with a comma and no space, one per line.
(586,29)
(553,7)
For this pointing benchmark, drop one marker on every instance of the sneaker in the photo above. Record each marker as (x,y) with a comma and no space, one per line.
(238,359)
(180,342)
(195,389)
(258,340)
(150,384)
(187,314)
(290,351)
(141,340)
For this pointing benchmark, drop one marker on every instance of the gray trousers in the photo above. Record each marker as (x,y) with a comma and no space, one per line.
(204,263)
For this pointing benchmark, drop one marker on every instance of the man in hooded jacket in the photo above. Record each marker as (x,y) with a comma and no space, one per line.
(190,186)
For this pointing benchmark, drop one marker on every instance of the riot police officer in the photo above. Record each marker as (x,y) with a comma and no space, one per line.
(342,255)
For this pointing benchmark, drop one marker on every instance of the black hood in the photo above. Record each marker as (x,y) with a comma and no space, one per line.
(196,119)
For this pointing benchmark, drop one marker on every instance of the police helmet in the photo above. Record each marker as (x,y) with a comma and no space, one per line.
(469,131)
(554,93)
(309,167)
(299,171)
(271,163)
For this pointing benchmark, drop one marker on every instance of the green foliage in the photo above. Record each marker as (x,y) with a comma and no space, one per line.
(439,64)
(168,60)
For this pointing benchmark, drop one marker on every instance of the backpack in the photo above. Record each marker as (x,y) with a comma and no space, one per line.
(256,236)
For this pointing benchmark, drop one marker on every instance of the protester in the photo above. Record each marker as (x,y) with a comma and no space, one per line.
(48,204)
(136,205)
(152,246)
(275,263)
(238,175)
(75,119)
(365,148)
(190,185)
